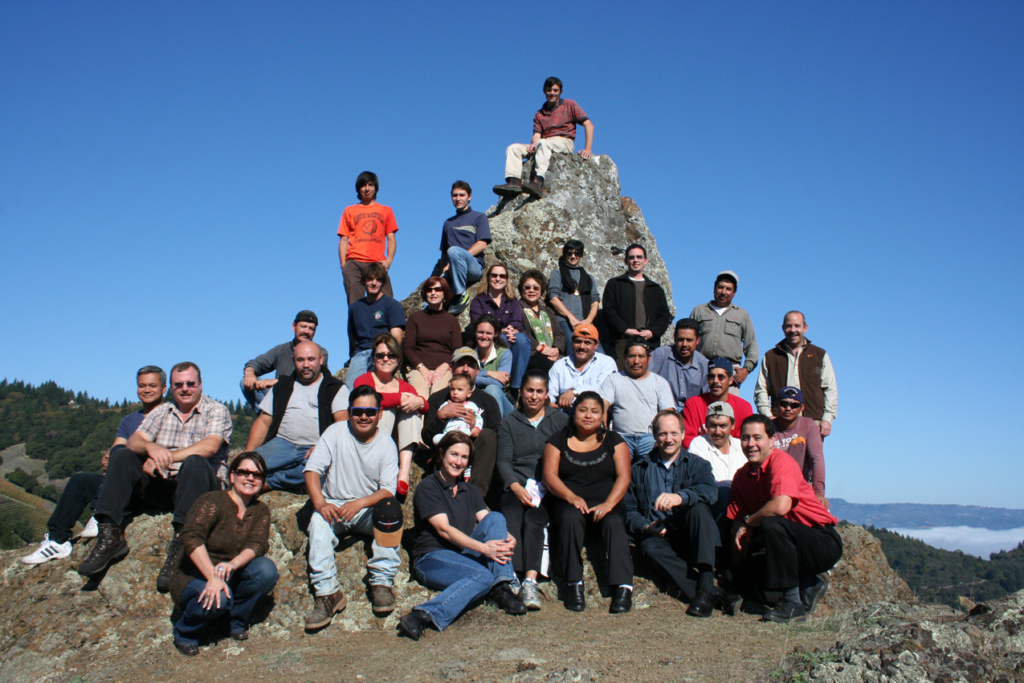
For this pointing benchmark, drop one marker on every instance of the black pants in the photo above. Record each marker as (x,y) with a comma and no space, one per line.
(570,529)
(79,493)
(526,524)
(791,551)
(485,454)
(125,481)
(690,542)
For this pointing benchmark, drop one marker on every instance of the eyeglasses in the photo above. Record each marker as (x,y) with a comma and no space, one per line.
(363,412)
(790,404)
(498,276)
(434,289)
(531,288)
(190,384)
(386,356)
(248,474)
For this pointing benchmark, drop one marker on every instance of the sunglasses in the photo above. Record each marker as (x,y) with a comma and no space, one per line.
(363,412)
(248,474)
(790,404)
(498,276)
(531,288)
(189,384)
(571,252)
(386,356)
(434,289)
(636,257)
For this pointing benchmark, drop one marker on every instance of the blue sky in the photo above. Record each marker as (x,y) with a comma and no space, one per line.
(172,175)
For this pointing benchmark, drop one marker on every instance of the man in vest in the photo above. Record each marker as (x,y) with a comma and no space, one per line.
(634,306)
(293,415)
(278,359)
(796,362)
(726,330)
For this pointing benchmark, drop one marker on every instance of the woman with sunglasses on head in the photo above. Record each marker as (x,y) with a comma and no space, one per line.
(431,337)
(495,297)
(222,569)
(540,323)
(402,405)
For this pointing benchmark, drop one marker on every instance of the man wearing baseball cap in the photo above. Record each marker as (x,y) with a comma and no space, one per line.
(583,370)
(278,359)
(726,330)
(720,378)
(722,450)
(799,436)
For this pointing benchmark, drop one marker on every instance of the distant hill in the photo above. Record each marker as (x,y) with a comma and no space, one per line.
(918,516)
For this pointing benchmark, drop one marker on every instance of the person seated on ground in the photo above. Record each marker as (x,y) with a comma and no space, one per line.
(177,454)
(633,397)
(464,239)
(362,233)
(373,315)
(223,570)
(540,323)
(495,297)
(278,359)
(572,291)
(353,469)
(668,509)
(783,539)
(495,360)
(402,406)
(293,415)
(431,337)
(726,330)
(634,306)
(81,489)
(586,471)
(485,444)
(681,364)
(584,370)
(554,130)
(719,382)
(521,439)
(459,548)
(800,437)
(459,389)
(722,450)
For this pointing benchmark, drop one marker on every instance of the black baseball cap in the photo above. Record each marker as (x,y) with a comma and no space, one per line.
(306,317)
(387,523)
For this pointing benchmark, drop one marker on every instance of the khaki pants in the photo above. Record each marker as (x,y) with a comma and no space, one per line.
(420,384)
(352,273)
(405,428)
(515,153)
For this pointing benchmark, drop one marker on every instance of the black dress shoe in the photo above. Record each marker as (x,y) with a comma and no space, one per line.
(785,612)
(811,596)
(622,601)
(702,604)
(186,649)
(413,623)
(504,597)
(240,635)
(575,600)
(730,603)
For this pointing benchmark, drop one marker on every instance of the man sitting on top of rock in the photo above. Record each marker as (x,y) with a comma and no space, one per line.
(554,130)
(464,238)
(278,359)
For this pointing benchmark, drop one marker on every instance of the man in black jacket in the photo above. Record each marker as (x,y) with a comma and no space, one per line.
(634,306)
(294,413)
(668,510)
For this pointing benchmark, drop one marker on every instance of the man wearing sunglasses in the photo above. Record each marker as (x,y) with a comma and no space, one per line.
(354,467)
(800,437)
(293,415)
(177,454)
(634,306)
(278,359)
(376,313)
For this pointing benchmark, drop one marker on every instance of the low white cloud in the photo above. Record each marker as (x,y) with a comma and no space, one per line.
(980,542)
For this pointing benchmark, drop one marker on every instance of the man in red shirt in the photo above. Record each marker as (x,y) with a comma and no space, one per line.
(720,378)
(364,231)
(782,537)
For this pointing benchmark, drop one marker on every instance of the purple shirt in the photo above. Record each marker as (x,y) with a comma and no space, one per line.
(509,313)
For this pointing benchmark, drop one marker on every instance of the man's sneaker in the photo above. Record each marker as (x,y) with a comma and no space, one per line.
(91,530)
(460,304)
(382,600)
(48,550)
(108,547)
(511,188)
(515,585)
(413,623)
(530,595)
(326,607)
(812,595)
(163,579)
(505,599)
(702,604)
(785,612)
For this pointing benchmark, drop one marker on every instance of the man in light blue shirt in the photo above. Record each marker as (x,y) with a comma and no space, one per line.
(582,371)
(682,365)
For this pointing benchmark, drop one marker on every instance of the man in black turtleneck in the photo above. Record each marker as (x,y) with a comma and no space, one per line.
(572,291)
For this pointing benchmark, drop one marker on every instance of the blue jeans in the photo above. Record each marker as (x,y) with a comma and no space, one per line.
(521,351)
(462,577)
(285,462)
(639,445)
(323,539)
(358,365)
(463,269)
(252,396)
(495,390)
(247,585)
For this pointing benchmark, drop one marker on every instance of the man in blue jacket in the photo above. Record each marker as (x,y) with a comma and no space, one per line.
(668,510)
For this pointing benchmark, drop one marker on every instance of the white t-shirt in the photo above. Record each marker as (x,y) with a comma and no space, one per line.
(300,424)
(718,310)
(723,466)
(635,402)
(350,469)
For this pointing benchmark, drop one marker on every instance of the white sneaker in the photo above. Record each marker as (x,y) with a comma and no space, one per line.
(48,550)
(92,529)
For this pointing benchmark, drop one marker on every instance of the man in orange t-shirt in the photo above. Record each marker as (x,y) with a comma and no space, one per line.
(365,230)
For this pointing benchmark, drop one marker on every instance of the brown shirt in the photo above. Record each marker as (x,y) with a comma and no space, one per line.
(431,338)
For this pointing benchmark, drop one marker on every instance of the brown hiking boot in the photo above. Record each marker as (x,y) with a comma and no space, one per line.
(382,599)
(326,607)
(108,547)
(534,187)
(174,553)
(512,188)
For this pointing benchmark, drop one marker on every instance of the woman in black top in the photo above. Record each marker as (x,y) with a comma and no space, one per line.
(587,471)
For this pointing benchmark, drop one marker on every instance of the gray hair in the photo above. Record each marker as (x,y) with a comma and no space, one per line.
(152,369)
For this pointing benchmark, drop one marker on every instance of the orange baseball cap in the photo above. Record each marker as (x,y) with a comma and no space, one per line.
(585,331)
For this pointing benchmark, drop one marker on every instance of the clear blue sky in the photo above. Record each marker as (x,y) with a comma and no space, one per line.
(172,175)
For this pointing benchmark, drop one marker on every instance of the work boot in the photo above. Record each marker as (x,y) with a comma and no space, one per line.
(326,607)
(108,547)
(534,187)
(503,596)
(511,188)
(163,579)
(382,600)
(413,623)
(811,595)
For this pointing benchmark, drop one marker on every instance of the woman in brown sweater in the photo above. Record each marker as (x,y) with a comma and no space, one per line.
(223,570)
(431,337)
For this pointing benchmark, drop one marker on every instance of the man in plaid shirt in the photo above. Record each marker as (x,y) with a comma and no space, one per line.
(554,130)
(178,453)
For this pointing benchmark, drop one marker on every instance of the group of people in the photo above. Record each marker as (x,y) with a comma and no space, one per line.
(556,412)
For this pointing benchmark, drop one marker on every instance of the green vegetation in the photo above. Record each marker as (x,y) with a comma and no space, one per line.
(943,576)
(15,529)
(30,483)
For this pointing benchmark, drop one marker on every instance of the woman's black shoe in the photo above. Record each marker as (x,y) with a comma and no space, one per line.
(575,600)
(622,601)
